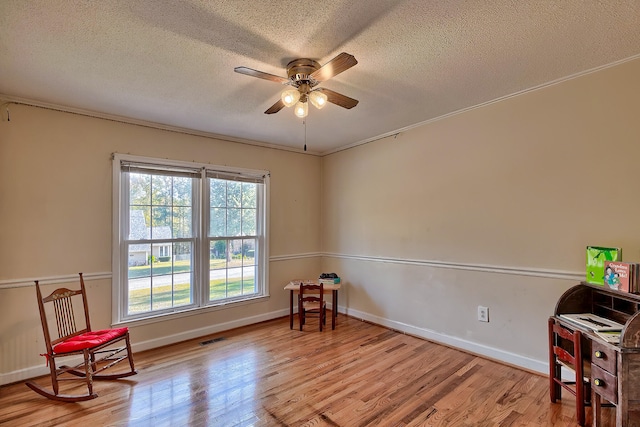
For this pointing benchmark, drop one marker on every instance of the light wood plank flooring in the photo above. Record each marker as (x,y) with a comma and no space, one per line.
(268,375)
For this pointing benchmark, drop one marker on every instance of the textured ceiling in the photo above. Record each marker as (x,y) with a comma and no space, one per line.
(171,62)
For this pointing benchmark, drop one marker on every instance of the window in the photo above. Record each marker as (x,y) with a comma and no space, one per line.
(190,236)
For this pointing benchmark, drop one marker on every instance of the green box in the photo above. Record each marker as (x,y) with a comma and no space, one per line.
(596,257)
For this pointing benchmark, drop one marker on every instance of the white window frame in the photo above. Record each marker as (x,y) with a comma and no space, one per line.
(201,250)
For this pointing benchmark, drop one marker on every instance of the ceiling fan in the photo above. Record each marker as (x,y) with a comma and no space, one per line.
(304,75)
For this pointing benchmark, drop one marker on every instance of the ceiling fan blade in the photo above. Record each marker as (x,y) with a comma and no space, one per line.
(261,75)
(338,98)
(340,63)
(275,107)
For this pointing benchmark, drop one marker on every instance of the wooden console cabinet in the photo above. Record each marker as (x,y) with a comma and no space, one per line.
(615,369)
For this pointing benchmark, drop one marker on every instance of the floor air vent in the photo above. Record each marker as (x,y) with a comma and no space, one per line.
(211,341)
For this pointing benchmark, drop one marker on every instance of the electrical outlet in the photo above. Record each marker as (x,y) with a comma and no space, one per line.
(483,314)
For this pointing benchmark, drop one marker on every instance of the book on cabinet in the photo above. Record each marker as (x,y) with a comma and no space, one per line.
(621,276)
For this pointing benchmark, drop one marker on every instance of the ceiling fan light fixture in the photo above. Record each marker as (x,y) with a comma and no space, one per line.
(318,99)
(301,109)
(304,74)
(290,97)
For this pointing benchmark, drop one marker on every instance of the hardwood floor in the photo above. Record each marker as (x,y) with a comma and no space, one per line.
(268,375)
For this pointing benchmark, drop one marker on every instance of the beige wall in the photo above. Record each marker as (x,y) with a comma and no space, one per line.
(490,207)
(508,195)
(55,220)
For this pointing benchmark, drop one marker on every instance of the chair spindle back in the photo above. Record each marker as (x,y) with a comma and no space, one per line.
(65,318)
(64,313)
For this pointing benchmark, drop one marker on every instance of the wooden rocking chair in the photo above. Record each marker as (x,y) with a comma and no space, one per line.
(95,347)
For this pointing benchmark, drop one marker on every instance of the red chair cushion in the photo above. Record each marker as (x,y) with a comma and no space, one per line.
(89,340)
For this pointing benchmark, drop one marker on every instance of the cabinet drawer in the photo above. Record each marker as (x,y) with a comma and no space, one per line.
(605,384)
(604,357)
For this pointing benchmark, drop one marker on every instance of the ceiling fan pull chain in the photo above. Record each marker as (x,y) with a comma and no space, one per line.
(304,122)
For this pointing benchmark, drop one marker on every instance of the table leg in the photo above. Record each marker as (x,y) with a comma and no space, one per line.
(334,308)
(291,309)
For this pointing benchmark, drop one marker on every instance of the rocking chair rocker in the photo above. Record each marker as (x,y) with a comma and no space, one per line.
(95,347)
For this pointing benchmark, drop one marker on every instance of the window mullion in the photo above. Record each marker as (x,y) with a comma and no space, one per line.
(203,230)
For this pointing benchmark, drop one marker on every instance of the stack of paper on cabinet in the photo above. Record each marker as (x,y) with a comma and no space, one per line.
(612,337)
(593,322)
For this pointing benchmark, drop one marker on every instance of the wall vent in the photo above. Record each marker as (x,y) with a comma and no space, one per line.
(211,341)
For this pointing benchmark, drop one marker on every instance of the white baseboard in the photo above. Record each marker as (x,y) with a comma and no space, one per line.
(470,346)
(208,330)
(23,374)
(480,349)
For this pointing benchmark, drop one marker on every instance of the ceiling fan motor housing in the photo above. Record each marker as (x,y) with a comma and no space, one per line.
(299,71)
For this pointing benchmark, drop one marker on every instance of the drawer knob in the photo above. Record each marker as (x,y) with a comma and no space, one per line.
(598,382)
(598,354)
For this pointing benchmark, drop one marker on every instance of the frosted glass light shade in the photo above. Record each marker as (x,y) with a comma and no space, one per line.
(290,97)
(301,109)
(318,99)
